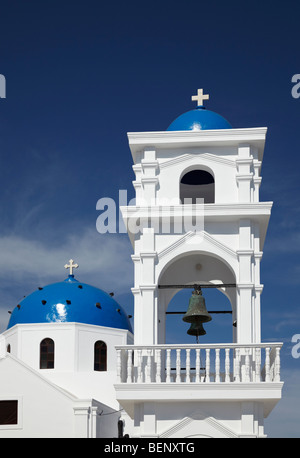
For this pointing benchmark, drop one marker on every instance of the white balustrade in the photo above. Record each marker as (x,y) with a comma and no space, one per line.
(232,363)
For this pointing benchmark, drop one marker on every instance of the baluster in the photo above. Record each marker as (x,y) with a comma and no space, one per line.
(139,368)
(197,380)
(267,364)
(237,377)
(207,366)
(178,368)
(247,365)
(257,364)
(158,366)
(148,370)
(119,374)
(188,366)
(217,365)
(227,365)
(129,366)
(168,378)
(277,365)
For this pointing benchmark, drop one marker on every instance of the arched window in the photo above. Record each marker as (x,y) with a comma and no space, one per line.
(197,184)
(47,354)
(100,356)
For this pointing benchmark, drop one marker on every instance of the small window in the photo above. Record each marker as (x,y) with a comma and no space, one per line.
(100,356)
(8,348)
(47,354)
(8,412)
(197,184)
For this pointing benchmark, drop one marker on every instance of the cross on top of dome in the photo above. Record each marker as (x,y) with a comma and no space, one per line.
(71,266)
(200,97)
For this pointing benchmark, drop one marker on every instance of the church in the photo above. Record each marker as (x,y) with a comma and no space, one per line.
(72,366)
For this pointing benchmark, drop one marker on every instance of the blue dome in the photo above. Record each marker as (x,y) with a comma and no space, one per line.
(70,301)
(199,119)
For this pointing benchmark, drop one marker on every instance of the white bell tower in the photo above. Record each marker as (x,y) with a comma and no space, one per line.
(198,221)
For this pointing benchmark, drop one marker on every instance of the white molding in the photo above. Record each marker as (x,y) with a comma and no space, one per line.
(212,422)
(207,156)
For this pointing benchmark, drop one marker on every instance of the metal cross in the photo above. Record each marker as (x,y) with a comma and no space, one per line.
(200,97)
(71,266)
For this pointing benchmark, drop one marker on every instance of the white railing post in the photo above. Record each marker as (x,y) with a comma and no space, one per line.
(237,368)
(129,366)
(139,366)
(207,366)
(217,365)
(178,365)
(148,369)
(188,366)
(197,365)
(267,365)
(168,376)
(158,366)
(227,365)
(277,365)
(119,375)
(247,366)
(257,364)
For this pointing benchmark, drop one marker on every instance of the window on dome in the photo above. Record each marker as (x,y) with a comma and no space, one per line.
(197,184)
(100,356)
(47,354)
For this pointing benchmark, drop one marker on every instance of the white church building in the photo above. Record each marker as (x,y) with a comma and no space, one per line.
(70,363)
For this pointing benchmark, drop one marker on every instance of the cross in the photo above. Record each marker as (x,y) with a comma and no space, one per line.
(71,266)
(200,97)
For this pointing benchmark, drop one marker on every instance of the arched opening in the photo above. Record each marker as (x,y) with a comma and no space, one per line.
(197,184)
(197,268)
(47,354)
(100,356)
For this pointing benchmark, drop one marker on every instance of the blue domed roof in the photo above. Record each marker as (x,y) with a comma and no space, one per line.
(70,301)
(199,119)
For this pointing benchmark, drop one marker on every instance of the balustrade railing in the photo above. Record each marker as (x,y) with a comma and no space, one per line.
(215,363)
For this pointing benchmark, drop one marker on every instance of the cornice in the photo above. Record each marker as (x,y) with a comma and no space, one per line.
(138,141)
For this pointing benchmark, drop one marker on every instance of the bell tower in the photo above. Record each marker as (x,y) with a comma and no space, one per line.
(198,223)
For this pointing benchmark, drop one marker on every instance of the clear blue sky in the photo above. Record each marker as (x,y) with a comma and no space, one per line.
(80,75)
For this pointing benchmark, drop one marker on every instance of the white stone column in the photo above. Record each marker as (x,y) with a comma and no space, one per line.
(248,420)
(81,414)
(257,314)
(145,315)
(149,422)
(244,176)
(137,183)
(256,180)
(149,180)
(245,283)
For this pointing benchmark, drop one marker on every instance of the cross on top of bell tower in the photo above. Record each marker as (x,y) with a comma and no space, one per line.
(200,97)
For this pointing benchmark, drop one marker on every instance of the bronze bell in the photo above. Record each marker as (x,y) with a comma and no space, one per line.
(197,312)
(196,329)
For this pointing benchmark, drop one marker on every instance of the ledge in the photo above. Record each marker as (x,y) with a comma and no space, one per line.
(130,393)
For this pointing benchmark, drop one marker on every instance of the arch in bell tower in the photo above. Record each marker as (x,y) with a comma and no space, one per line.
(197,183)
(191,267)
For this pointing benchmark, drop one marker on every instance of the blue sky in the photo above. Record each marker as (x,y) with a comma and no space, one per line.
(82,74)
